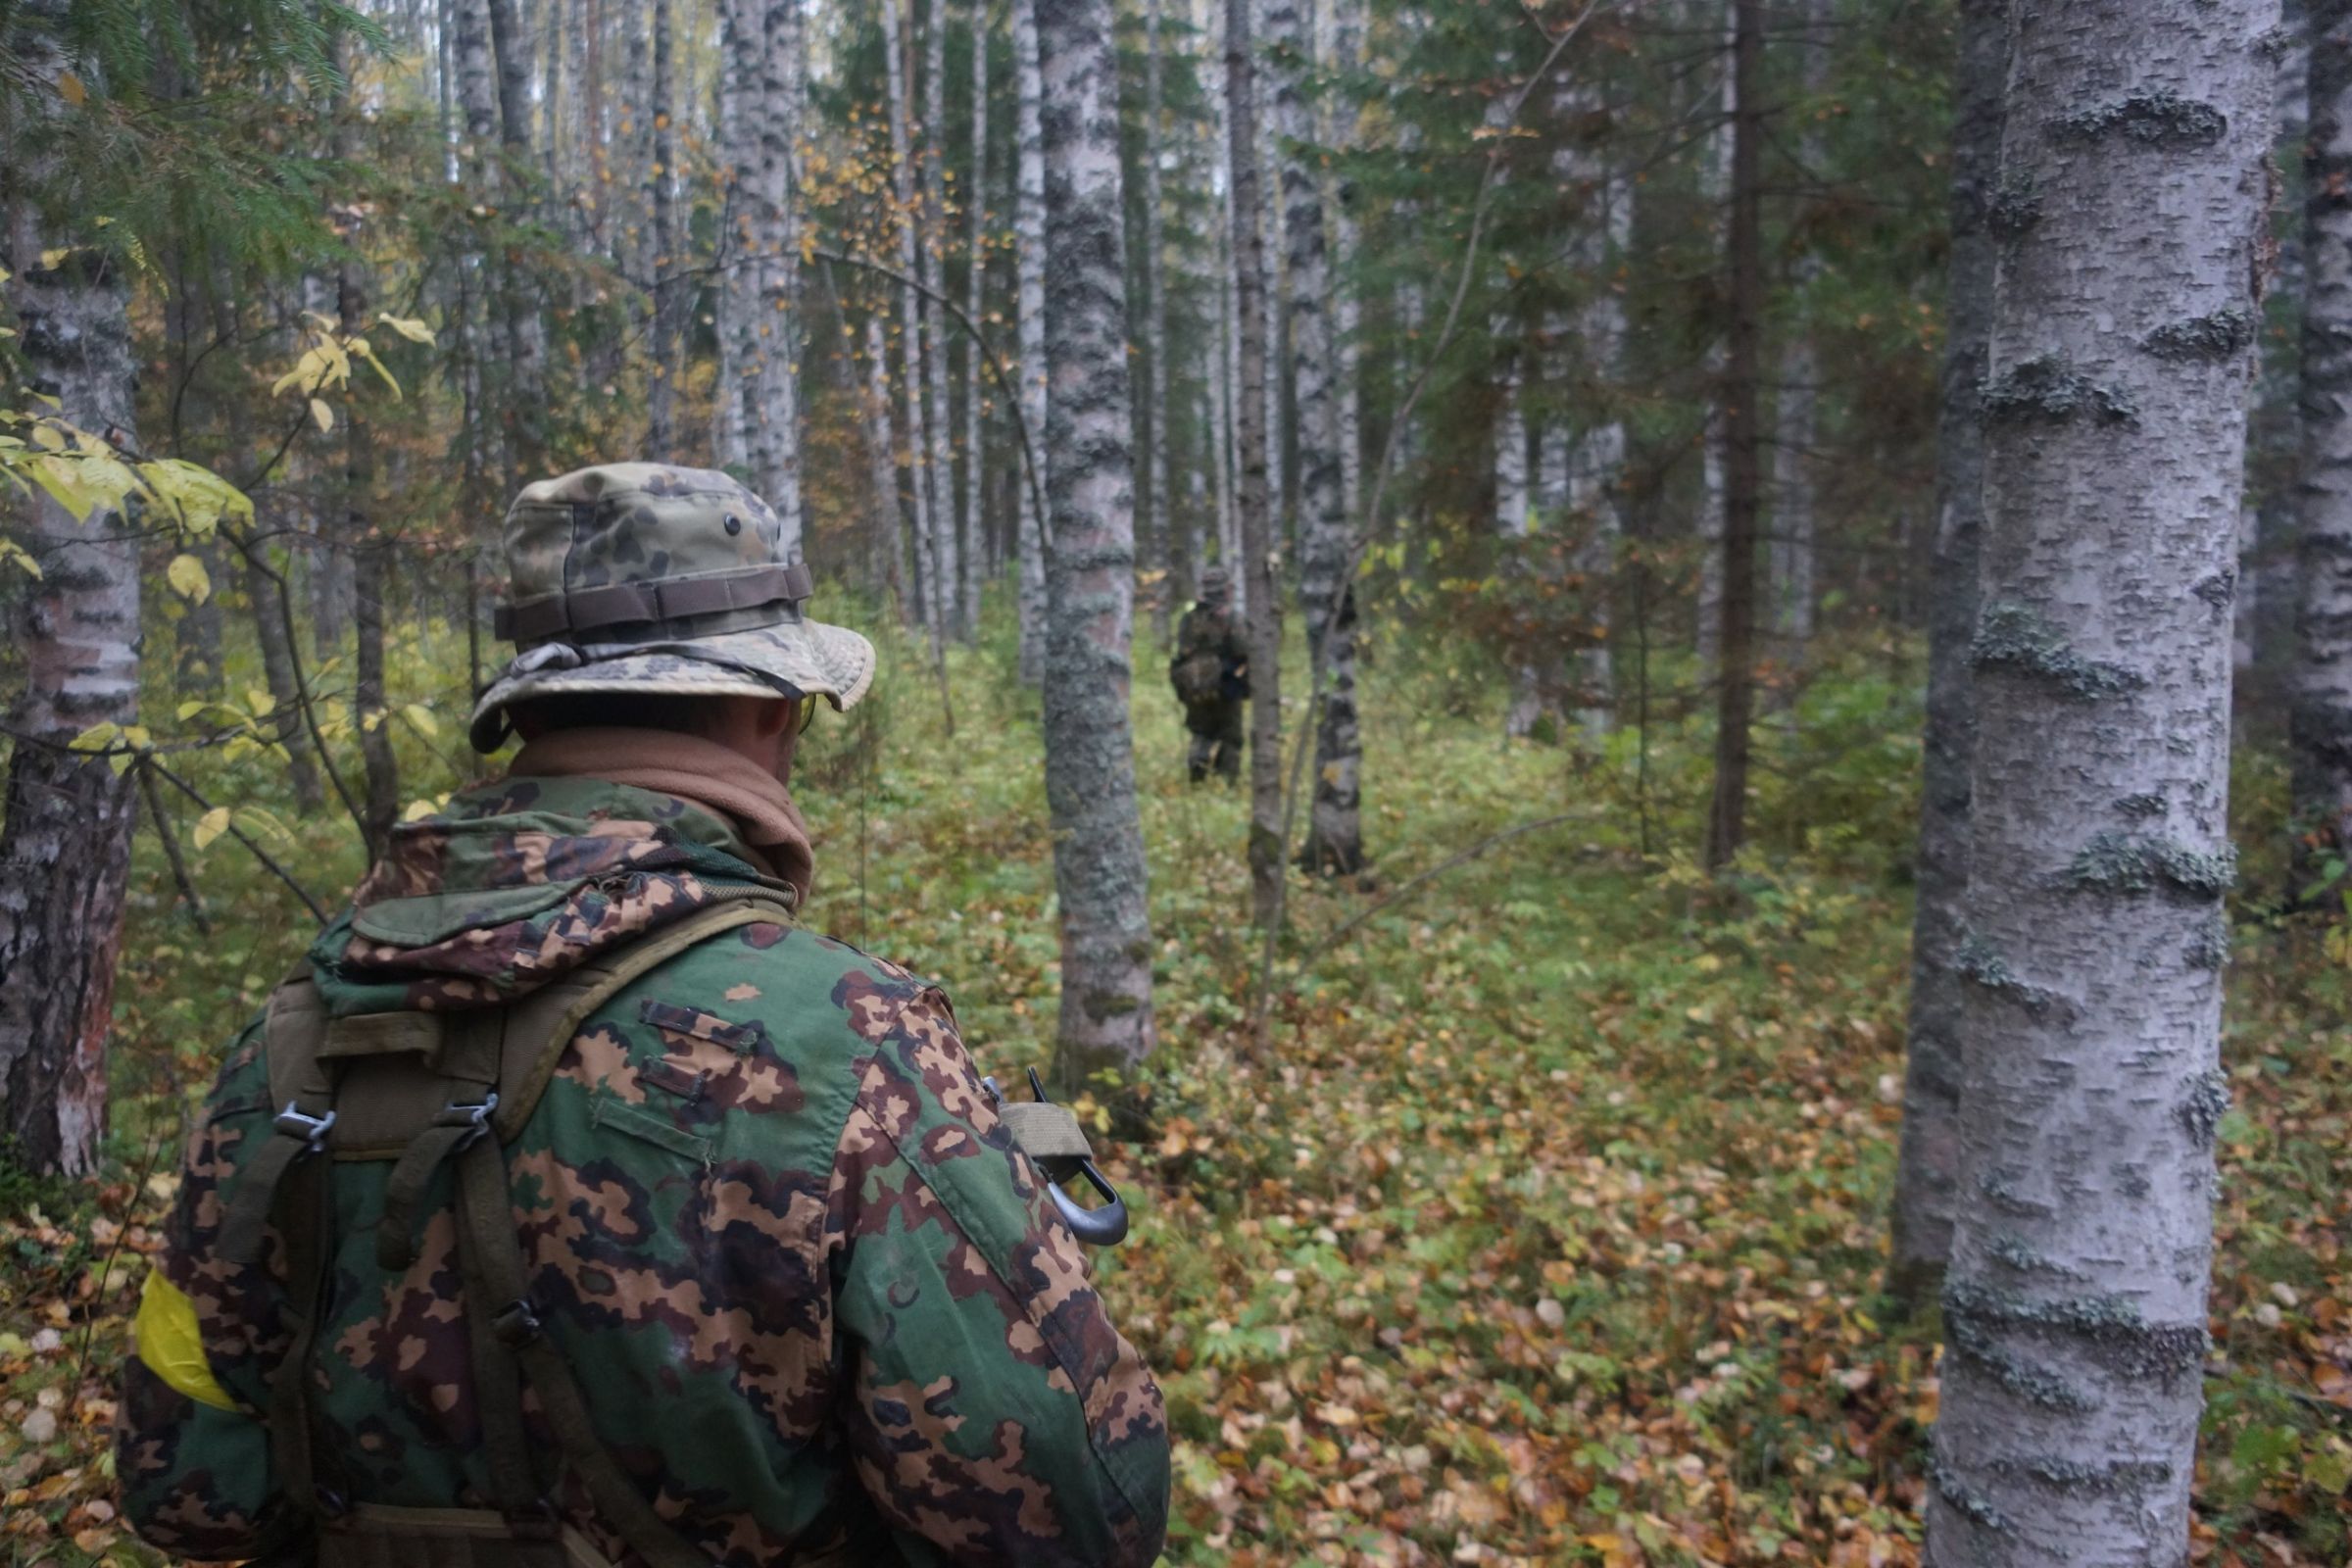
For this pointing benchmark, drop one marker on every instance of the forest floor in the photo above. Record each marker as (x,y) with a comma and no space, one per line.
(1548,1225)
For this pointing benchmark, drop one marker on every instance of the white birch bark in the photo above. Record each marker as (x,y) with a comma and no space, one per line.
(937,332)
(1254,501)
(975,387)
(2134,171)
(1268,160)
(930,593)
(1029,266)
(1335,835)
(671,303)
(1513,516)
(1715,183)
(741,111)
(775,383)
(1789,557)
(1347,29)
(1224,368)
(1098,867)
(2321,723)
(882,459)
(1928,1165)
(1155,529)
(65,844)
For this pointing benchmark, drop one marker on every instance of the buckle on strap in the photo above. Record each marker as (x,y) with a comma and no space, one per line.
(295,1122)
(515,1325)
(475,1118)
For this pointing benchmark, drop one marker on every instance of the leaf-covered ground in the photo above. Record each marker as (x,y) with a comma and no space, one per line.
(1545,1226)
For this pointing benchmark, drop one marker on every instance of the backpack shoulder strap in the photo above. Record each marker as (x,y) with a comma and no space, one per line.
(541,1025)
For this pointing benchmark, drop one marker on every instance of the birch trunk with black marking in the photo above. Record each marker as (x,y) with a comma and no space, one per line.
(938,334)
(2320,726)
(1797,418)
(525,337)
(774,382)
(1347,21)
(1335,832)
(975,385)
(1255,568)
(2134,167)
(1715,183)
(1099,869)
(1029,281)
(672,294)
(1743,476)
(1155,529)
(1927,1170)
(65,844)
(911,347)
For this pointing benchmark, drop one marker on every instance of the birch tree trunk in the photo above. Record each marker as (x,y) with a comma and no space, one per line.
(975,390)
(775,383)
(65,844)
(2320,724)
(883,457)
(525,331)
(741,111)
(1256,563)
(1715,188)
(1513,516)
(670,291)
(1927,1172)
(1742,385)
(912,345)
(1799,414)
(1098,868)
(939,422)
(2075,1310)
(1155,551)
(1335,835)
(1346,22)
(1029,266)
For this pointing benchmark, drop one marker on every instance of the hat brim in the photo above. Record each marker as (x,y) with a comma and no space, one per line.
(806,658)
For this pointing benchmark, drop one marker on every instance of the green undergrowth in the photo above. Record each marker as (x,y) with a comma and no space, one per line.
(1544,1224)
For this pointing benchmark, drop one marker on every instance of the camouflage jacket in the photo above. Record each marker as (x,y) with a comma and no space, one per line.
(1214,629)
(809,1287)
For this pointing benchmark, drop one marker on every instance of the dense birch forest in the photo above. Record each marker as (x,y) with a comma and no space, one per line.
(1766,976)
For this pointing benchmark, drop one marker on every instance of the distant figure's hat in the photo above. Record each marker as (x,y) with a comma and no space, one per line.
(639,576)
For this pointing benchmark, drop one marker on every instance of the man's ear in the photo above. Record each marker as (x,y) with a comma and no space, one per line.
(773,716)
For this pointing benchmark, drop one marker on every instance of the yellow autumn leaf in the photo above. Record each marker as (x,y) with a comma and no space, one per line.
(407,326)
(322,415)
(422,717)
(69,89)
(189,579)
(210,826)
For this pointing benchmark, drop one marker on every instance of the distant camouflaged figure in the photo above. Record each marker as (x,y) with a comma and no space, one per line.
(1210,673)
(572,1205)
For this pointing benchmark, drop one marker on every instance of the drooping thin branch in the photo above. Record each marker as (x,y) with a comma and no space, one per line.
(1447,334)
(170,841)
(988,350)
(269,863)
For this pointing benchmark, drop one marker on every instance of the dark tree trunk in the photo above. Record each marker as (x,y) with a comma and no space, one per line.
(1927,1169)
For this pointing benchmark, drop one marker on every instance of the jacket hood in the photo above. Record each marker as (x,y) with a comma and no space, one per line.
(513,884)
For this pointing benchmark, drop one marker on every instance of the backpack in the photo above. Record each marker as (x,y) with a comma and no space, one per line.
(1197,671)
(421,1090)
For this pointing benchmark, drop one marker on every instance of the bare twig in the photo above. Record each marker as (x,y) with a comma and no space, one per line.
(171,842)
(317,912)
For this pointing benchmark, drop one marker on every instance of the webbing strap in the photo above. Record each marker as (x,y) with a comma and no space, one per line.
(299,1129)
(307,1218)
(496,1284)
(623,604)
(497,1384)
(460,1123)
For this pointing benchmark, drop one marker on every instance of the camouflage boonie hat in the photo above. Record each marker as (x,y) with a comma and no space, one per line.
(640,576)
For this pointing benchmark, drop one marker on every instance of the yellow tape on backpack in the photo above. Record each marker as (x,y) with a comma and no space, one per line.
(169,1341)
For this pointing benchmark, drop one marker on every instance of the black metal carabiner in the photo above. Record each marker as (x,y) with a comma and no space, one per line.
(1094,1227)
